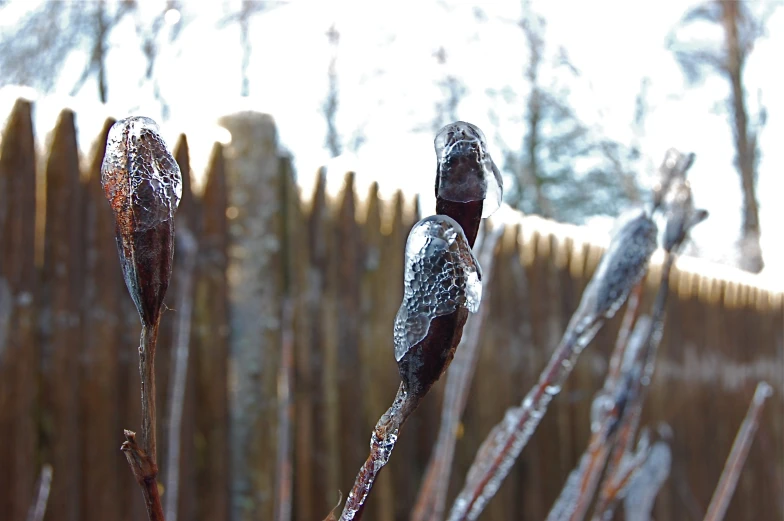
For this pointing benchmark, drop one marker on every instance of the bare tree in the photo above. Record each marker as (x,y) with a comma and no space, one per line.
(741,28)
(149,34)
(564,169)
(453,90)
(34,53)
(330,106)
(243,17)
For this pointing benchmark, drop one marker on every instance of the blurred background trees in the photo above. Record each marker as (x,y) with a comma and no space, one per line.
(726,55)
(339,78)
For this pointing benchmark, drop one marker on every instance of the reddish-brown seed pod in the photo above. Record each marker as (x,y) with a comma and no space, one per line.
(143,184)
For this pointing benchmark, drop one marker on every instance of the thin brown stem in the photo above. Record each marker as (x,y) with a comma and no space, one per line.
(142,458)
(737,457)
(625,331)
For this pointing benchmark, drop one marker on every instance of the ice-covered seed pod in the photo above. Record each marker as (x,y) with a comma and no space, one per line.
(441,275)
(622,266)
(143,184)
(672,169)
(641,492)
(466,171)
(681,215)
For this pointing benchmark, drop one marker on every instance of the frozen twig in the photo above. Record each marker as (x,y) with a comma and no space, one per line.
(681,217)
(607,410)
(38,509)
(622,266)
(180,354)
(442,283)
(143,184)
(284,465)
(737,457)
(432,494)
(646,481)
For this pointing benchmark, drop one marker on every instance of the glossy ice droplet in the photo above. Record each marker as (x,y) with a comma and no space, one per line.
(441,274)
(139,175)
(466,171)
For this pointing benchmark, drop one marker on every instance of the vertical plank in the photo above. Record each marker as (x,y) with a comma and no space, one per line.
(62,295)
(211,340)
(103,463)
(305,499)
(348,254)
(18,350)
(181,294)
(326,463)
(375,354)
(254,296)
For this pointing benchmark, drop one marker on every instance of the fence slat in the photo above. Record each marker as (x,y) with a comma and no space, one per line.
(103,463)
(66,384)
(211,340)
(18,350)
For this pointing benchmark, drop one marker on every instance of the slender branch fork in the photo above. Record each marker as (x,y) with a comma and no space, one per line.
(142,458)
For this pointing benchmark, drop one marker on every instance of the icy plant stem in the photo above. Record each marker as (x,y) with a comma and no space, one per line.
(507,439)
(38,509)
(142,458)
(284,480)
(181,354)
(382,441)
(627,430)
(432,495)
(740,449)
(573,504)
(624,333)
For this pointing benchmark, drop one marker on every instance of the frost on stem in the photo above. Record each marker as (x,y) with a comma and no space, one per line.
(621,267)
(441,276)
(672,169)
(681,215)
(466,171)
(614,393)
(143,184)
(647,481)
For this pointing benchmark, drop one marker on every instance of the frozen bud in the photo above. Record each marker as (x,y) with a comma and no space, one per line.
(672,169)
(466,171)
(681,215)
(143,184)
(645,484)
(622,266)
(441,275)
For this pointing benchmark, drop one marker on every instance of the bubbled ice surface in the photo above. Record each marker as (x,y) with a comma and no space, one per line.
(477,178)
(138,161)
(441,274)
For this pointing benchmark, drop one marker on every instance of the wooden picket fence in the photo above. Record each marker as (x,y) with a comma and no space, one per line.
(69,335)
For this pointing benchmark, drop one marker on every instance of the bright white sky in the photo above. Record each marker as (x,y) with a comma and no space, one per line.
(388,89)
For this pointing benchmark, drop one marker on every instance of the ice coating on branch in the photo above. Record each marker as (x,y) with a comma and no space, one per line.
(681,215)
(140,177)
(672,169)
(143,184)
(466,171)
(646,483)
(441,274)
(622,266)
